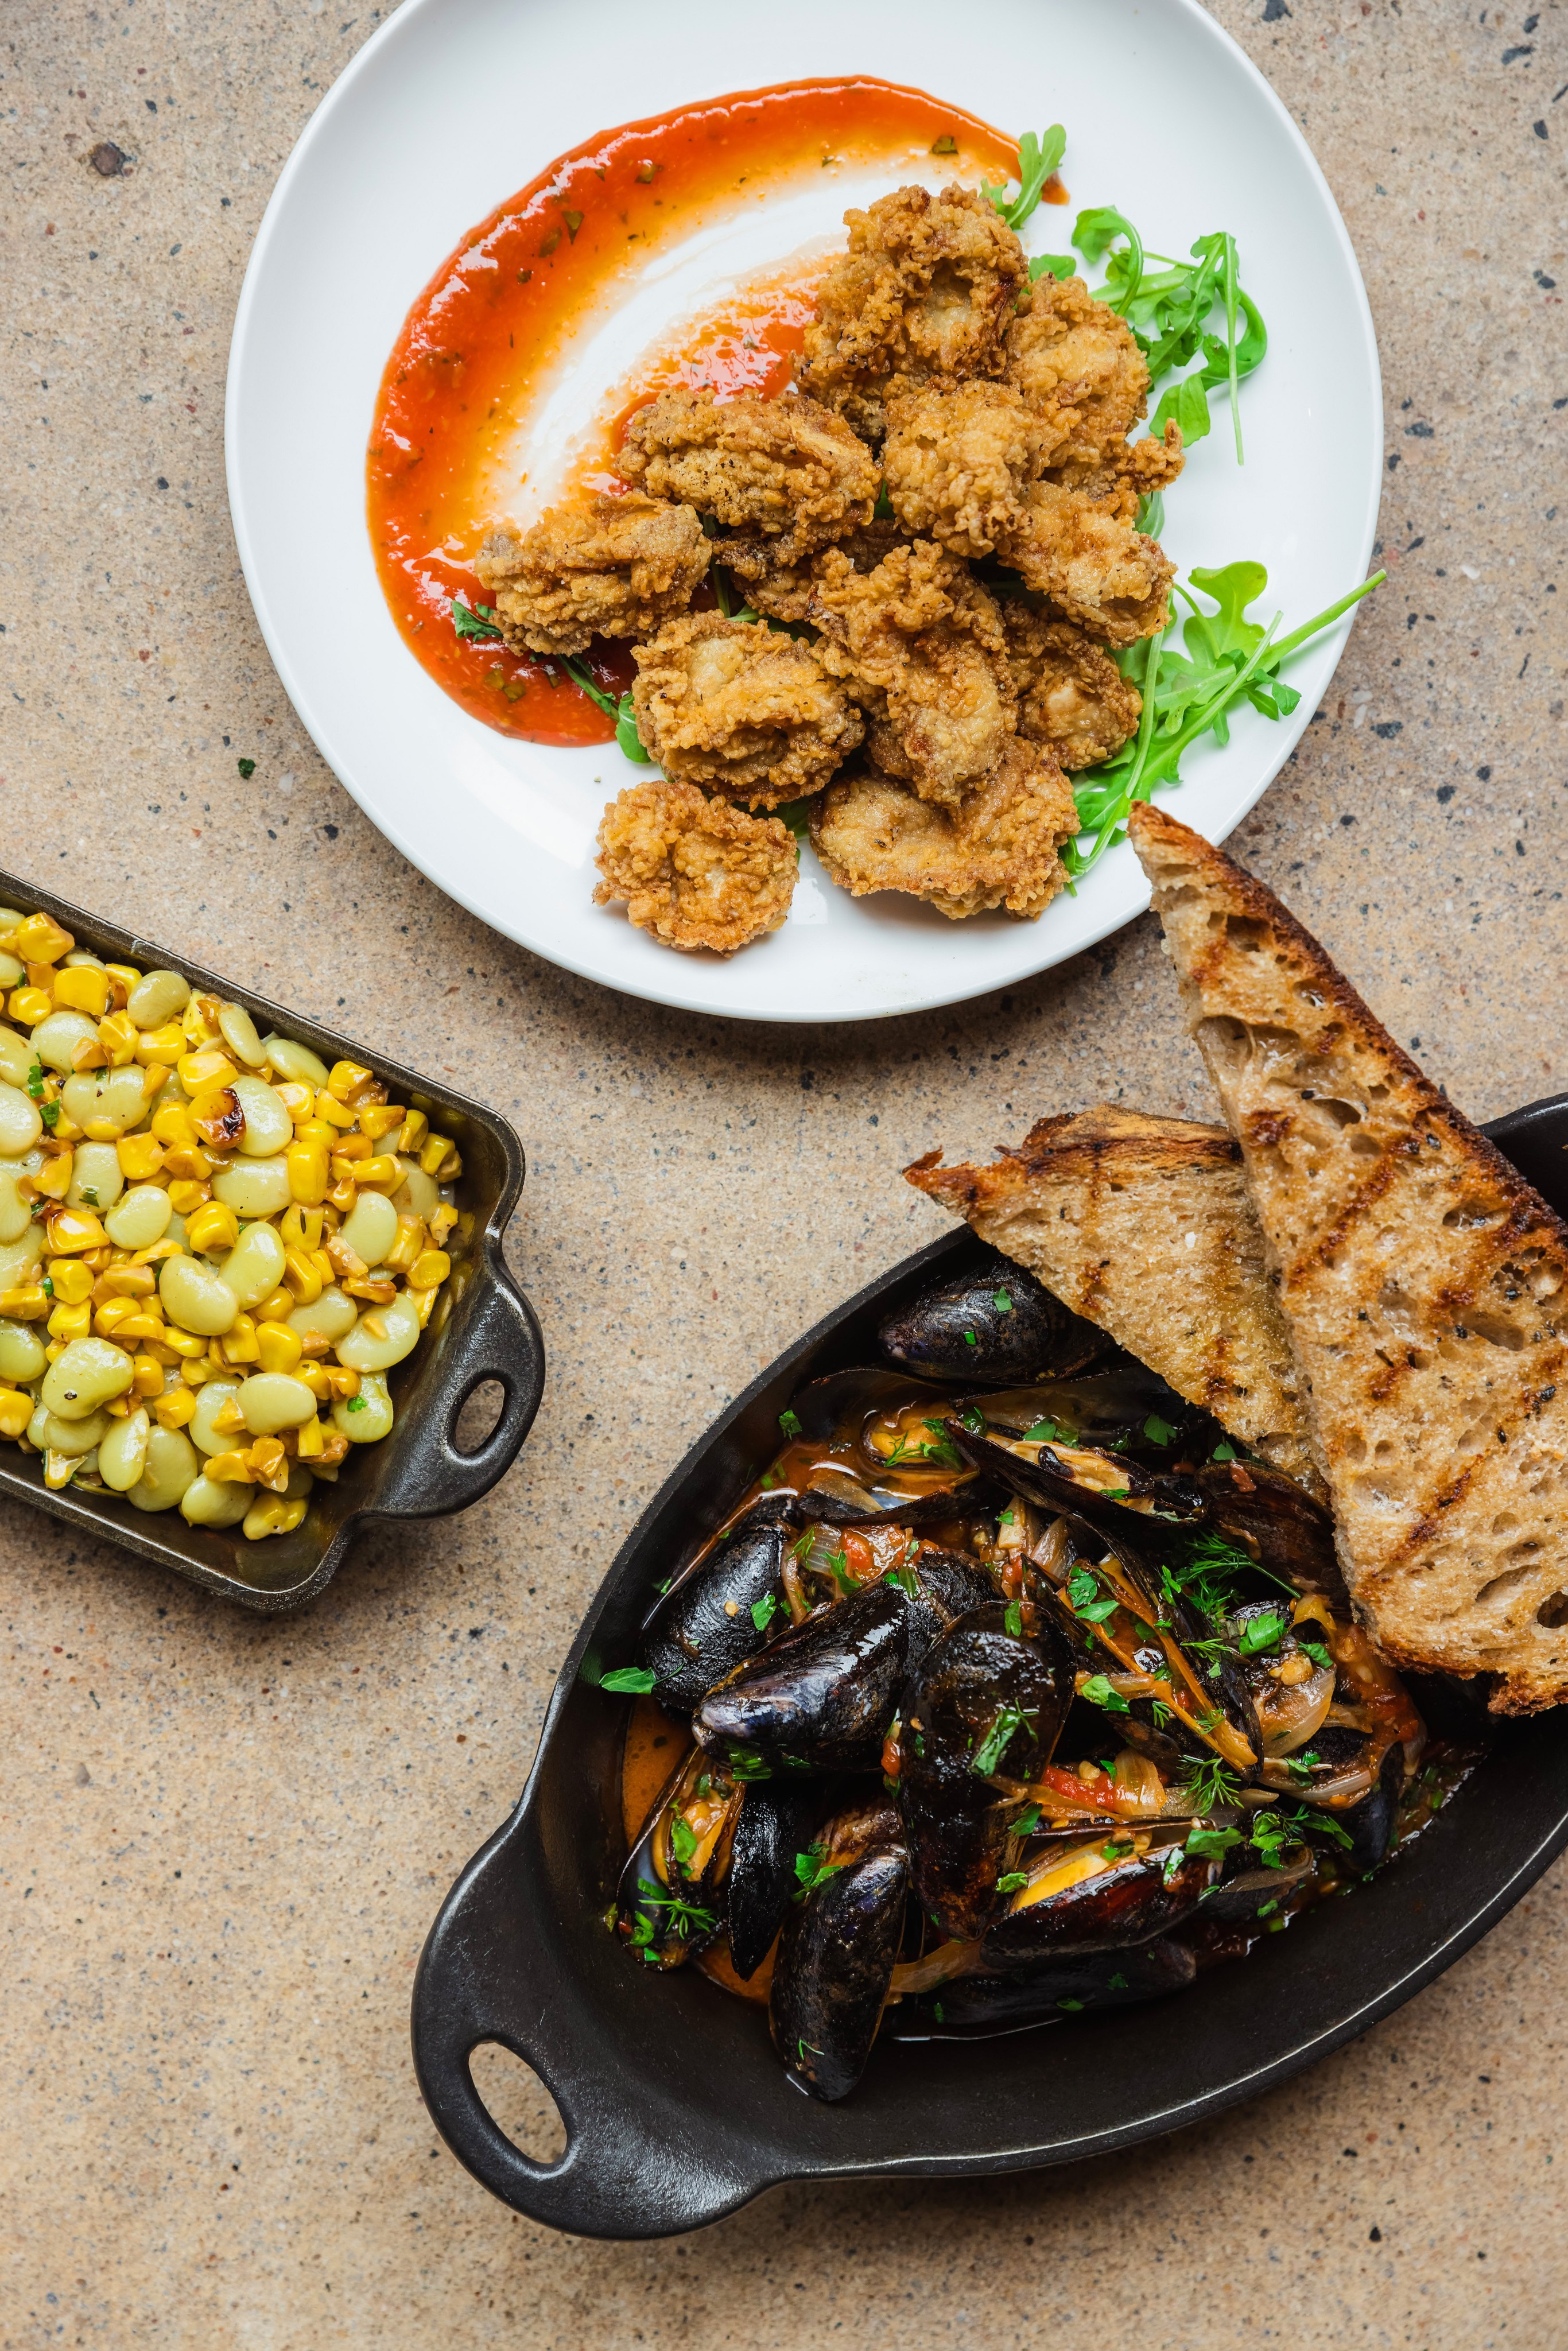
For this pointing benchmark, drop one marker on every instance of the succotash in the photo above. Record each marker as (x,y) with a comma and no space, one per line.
(212,1248)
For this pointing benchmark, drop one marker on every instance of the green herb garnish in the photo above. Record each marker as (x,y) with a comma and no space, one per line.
(1038,159)
(812,1871)
(1209,1784)
(620,711)
(1000,1738)
(1260,1633)
(789,1423)
(356,1404)
(1014,1879)
(1159,1431)
(1099,1692)
(746,1764)
(246,768)
(685,1918)
(629,1681)
(475,621)
(764,1610)
(1012,1619)
(49,1112)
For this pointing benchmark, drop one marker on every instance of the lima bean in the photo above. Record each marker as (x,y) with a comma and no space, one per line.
(253,1187)
(50,1434)
(172,1466)
(58,1035)
(268,1125)
(238,1032)
(272,1401)
(203,1504)
(254,1267)
(294,1063)
(332,1314)
(16,1214)
(370,1228)
(22,1355)
(20,1258)
(97,1181)
(199,1301)
(21,1122)
(366,1350)
(157,998)
(17,1058)
(367,1417)
(123,1450)
(85,1375)
(209,1401)
(418,1194)
(115,1096)
(140,1217)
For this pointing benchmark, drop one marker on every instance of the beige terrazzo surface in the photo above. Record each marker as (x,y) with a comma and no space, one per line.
(224,1839)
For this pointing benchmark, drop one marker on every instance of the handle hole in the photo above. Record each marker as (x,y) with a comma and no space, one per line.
(518,2103)
(476,1421)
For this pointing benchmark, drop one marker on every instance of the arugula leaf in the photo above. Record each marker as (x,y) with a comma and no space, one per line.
(629,1681)
(882,511)
(1038,159)
(1059,264)
(1093,233)
(622,711)
(477,621)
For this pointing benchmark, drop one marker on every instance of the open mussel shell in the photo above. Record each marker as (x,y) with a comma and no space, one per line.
(818,1699)
(1254,1892)
(670,1900)
(837,1952)
(981,1702)
(995,1324)
(1120,1904)
(1267,1515)
(1125,1409)
(863,1489)
(1061,1987)
(704,1627)
(1370,1824)
(776,1823)
(1290,1695)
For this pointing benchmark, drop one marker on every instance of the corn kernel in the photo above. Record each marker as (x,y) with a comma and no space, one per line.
(196,1373)
(278,1348)
(83,989)
(309,1443)
(316,1378)
(413,1133)
(342,1195)
(308,1174)
(230,1469)
(71,1322)
(86,1053)
(40,939)
(217,1117)
(117,1037)
(301,1276)
(333,1111)
(335,1446)
(374,1288)
(30,1302)
(71,1231)
(229,1420)
(214,1227)
(273,1517)
(53,1180)
(382,1174)
(301,1228)
(113,1314)
(73,1282)
(441,1223)
(189,1162)
(186,1196)
(299,1100)
(239,1344)
(185,1343)
(345,1260)
(440,1158)
(342,1382)
(30,1005)
(164,1046)
(171,1125)
(377,1119)
(424,1302)
(124,977)
(199,1072)
(59,1468)
(176,1410)
(146,1375)
(344,1078)
(406,1247)
(15,1411)
(199,1022)
(351,1147)
(140,1156)
(123,1282)
(143,1328)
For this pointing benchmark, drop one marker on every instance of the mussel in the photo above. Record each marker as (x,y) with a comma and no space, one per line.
(718,1615)
(775,1824)
(983,1703)
(837,1951)
(1121,1408)
(1097,1894)
(1259,1893)
(996,1324)
(885,1456)
(669,1901)
(1059,1987)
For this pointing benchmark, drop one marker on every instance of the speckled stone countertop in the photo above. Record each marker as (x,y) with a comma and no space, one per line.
(224,1838)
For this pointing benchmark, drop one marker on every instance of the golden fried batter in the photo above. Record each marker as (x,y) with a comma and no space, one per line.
(958,458)
(733,705)
(1072,695)
(611,568)
(787,468)
(1129,472)
(919,643)
(925,290)
(784,590)
(694,872)
(1078,367)
(1098,572)
(1001,847)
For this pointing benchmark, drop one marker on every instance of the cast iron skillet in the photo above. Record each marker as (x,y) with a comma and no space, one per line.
(677,2110)
(487,1331)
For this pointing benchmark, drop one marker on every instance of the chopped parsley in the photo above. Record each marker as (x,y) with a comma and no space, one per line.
(812,1871)
(1159,1431)
(1085,1599)
(1099,1692)
(356,1404)
(1002,1302)
(246,768)
(1260,1633)
(1011,1882)
(1209,1845)
(746,1764)
(789,1424)
(1027,1822)
(1000,1738)
(1318,1654)
(764,1610)
(1012,1618)
(1072,2006)
(1117,1982)
(35,1082)
(629,1681)
(49,1112)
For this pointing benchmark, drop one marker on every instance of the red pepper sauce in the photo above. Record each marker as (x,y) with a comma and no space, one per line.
(505,306)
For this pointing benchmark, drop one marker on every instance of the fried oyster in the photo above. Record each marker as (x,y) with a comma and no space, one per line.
(925,290)
(610,568)
(1077,367)
(1098,572)
(1071,697)
(734,705)
(919,643)
(1000,846)
(783,589)
(788,468)
(959,459)
(694,872)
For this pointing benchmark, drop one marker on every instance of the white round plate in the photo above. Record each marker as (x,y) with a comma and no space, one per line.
(452,106)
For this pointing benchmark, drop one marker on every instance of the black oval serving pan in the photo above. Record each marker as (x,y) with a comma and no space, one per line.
(483,1329)
(674,2107)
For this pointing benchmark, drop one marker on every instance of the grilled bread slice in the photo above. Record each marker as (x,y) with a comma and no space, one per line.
(1143,1225)
(1424,1282)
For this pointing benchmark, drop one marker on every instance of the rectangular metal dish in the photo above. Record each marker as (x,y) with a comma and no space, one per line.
(483,1329)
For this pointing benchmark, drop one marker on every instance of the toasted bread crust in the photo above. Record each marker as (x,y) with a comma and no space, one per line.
(1424,1282)
(1143,1225)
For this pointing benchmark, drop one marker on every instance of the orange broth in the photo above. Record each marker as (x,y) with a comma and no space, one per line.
(505,305)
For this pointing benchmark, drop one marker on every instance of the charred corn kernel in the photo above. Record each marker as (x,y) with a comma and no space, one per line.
(123,977)
(15,1411)
(413,1133)
(28,1006)
(217,1117)
(187,1195)
(424,1304)
(147,1376)
(231,1468)
(40,939)
(308,1444)
(117,1035)
(199,1022)
(301,1228)
(345,1078)
(270,1463)
(140,1156)
(342,1195)
(71,1231)
(187,1165)
(382,1174)
(171,1125)
(73,1282)
(213,1227)
(239,1342)
(351,1147)
(112,1313)
(345,1260)
(176,1409)
(30,1302)
(371,1287)
(441,1223)
(68,1322)
(299,1100)
(53,1179)
(229,1420)
(83,989)
(439,1157)
(377,1119)
(308,1173)
(341,1383)
(89,1054)
(163,1046)
(273,1517)
(409,1241)
(278,1349)
(302,1276)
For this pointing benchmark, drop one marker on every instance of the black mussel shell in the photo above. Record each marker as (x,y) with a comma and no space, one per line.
(1270,1516)
(1129,1902)
(663,1912)
(980,1701)
(837,1952)
(961,1330)
(1370,1824)
(703,1628)
(777,1822)
(942,1586)
(1111,1410)
(821,1698)
(825,1406)
(864,1506)
(1061,1987)
(1252,1891)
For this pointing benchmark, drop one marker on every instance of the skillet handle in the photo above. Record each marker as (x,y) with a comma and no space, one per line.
(489,1971)
(495,1335)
